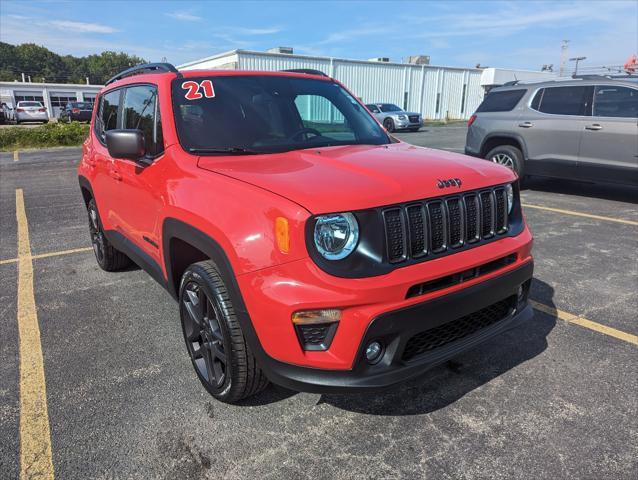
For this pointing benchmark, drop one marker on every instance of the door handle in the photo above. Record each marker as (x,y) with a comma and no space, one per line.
(526,124)
(594,126)
(115,174)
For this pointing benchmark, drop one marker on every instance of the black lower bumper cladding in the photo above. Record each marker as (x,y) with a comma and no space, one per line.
(421,336)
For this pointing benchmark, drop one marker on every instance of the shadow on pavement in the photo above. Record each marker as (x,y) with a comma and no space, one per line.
(619,193)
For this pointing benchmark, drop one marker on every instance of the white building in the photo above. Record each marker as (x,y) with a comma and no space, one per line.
(51,95)
(434,91)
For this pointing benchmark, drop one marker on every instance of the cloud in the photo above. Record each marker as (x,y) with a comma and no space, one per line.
(256,31)
(81,26)
(184,16)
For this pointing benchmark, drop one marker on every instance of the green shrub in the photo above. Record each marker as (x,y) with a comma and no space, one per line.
(48,135)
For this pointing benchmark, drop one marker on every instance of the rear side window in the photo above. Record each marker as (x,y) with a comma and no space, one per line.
(612,101)
(107,117)
(501,101)
(562,100)
(140,112)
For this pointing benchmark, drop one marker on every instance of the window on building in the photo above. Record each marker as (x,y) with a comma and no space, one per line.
(89,97)
(572,100)
(501,101)
(140,112)
(29,97)
(60,100)
(615,101)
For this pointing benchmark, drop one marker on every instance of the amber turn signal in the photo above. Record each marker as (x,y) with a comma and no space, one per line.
(282,234)
(310,317)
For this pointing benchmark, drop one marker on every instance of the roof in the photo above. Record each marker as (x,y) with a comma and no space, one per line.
(27,85)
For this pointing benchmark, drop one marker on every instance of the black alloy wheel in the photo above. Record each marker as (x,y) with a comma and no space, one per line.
(204,336)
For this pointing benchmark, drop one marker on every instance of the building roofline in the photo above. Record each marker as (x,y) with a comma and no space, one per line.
(56,85)
(316,57)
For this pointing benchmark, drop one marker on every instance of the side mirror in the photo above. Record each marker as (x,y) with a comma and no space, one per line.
(125,144)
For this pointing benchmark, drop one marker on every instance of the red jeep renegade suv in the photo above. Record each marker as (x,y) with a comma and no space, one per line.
(305,245)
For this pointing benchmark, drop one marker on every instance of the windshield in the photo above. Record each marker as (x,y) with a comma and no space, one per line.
(29,104)
(390,107)
(268,113)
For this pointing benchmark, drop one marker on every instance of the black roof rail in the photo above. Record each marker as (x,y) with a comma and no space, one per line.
(591,77)
(307,71)
(511,83)
(143,68)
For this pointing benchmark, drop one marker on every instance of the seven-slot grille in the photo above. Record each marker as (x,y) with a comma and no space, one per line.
(414,118)
(436,226)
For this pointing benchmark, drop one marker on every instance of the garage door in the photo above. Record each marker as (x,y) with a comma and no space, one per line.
(60,99)
(26,95)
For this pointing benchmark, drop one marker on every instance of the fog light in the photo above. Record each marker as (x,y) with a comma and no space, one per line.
(373,352)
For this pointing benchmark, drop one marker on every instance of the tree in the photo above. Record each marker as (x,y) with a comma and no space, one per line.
(43,65)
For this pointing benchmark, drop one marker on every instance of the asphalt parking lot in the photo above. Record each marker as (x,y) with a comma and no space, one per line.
(556,398)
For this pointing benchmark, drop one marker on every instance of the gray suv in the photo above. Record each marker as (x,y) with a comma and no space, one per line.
(581,129)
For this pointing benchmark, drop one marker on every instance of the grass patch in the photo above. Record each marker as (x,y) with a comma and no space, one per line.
(48,135)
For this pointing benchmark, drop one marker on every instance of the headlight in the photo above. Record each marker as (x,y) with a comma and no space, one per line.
(509,191)
(336,235)
(401,117)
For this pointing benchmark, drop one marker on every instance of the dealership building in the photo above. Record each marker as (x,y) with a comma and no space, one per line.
(436,92)
(51,95)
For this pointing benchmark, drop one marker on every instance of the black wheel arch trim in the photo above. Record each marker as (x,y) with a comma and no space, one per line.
(513,136)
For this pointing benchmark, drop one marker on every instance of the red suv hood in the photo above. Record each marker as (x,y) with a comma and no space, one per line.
(337,179)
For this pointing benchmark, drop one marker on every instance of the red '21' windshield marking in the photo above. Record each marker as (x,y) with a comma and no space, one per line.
(194,88)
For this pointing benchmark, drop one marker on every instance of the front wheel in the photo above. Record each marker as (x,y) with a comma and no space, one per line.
(508,156)
(215,341)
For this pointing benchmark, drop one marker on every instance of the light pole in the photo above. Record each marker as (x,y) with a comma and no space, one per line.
(576,59)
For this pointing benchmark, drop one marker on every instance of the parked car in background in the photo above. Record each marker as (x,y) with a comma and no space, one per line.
(393,117)
(582,129)
(29,111)
(76,111)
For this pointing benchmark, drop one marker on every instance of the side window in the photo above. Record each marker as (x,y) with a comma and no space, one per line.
(373,108)
(536,102)
(319,113)
(564,100)
(612,101)
(107,118)
(140,112)
(504,101)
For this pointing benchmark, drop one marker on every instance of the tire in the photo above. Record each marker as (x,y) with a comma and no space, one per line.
(222,359)
(388,123)
(508,156)
(106,255)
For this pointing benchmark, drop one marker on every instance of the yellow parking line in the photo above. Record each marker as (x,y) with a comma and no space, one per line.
(583,322)
(16,156)
(50,254)
(35,436)
(580,214)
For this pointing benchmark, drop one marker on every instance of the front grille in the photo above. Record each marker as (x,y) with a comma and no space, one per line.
(457,329)
(434,227)
(414,118)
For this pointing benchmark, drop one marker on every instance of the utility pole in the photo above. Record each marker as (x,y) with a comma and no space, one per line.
(576,59)
(563,57)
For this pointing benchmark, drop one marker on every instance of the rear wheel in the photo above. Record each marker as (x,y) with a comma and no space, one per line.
(215,341)
(508,156)
(388,123)
(107,256)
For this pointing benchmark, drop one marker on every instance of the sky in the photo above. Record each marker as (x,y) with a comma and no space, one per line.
(506,34)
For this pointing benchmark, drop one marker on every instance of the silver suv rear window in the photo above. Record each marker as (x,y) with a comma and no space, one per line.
(501,101)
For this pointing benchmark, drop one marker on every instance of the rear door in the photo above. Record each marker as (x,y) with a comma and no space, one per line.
(609,146)
(552,127)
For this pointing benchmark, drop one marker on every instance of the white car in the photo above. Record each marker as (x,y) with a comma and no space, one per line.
(29,111)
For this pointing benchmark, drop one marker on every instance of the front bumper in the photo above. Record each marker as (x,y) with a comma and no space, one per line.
(394,329)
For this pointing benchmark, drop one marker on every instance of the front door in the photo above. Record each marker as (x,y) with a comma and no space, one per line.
(138,204)
(609,145)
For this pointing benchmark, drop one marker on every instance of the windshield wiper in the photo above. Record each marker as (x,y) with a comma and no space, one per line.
(224,150)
